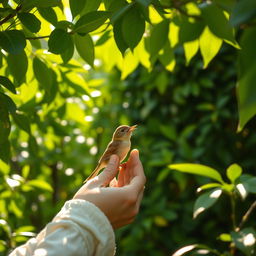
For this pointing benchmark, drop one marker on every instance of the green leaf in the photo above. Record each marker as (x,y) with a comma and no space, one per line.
(7,104)
(85,48)
(41,184)
(209,46)
(77,7)
(218,22)
(7,84)
(133,27)
(18,65)
(91,21)
(198,169)
(246,91)
(27,4)
(190,49)
(22,121)
(59,41)
(243,12)
(205,201)
(234,171)
(245,240)
(118,36)
(91,6)
(5,125)
(49,15)
(208,186)
(158,37)
(30,21)
(167,58)
(13,207)
(225,237)
(12,41)
(42,74)
(189,31)
(68,54)
(5,151)
(249,183)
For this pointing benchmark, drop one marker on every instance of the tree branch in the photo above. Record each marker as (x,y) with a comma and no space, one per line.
(11,15)
(246,216)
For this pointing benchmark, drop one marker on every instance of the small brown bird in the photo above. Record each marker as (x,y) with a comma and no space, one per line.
(119,145)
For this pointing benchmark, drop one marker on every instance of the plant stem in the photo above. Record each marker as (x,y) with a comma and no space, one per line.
(246,216)
(233,210)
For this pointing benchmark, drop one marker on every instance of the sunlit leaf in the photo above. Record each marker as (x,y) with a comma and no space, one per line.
(218,22)
(22,121)
(190,48)
(209,46)
(48,14)
(234,171)
(39,184)
(198,169)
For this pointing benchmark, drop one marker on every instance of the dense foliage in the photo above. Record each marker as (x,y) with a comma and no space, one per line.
(71,71)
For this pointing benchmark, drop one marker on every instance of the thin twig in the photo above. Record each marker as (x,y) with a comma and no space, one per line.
(246,216)
(11,15)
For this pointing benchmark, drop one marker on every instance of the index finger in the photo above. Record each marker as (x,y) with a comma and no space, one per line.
(138,178)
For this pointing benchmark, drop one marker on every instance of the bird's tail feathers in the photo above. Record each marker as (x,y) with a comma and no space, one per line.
(94,173)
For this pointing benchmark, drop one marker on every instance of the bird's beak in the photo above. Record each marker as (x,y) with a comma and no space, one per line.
(132,128)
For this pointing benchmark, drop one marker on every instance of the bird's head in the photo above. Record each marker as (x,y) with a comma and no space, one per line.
(124,132)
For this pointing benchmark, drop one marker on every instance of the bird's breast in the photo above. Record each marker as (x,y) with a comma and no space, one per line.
(124,149)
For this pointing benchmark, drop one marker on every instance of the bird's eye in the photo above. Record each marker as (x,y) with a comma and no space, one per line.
(122,130)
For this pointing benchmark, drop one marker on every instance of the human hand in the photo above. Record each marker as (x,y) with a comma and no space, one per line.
(120,201)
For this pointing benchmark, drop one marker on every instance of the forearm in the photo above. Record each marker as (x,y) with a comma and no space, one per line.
(80,228)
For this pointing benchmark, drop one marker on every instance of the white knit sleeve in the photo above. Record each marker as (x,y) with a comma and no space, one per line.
(80,228)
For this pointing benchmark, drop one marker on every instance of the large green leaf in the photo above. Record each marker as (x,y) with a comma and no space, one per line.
(42,74)
(22,121)
(119,37)
(198,169)
(28,4)
(91,6)
(206,200)
(5,81)
(158,37)
(5,151)
(49,15)
(18,65)
(77,7)
(60,40)
(133,27)
(243,11)
(40,184)
(30,21)
(85,48)
(12,41)
(91,21)
(246,90)
(189,30)
(68,53)
(218,22)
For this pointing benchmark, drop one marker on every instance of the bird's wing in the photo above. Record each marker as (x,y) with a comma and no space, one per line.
(110,150)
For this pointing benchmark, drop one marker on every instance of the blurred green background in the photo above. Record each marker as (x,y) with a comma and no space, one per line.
(189,115)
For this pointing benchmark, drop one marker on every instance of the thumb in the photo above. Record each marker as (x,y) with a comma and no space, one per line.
(110,171)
